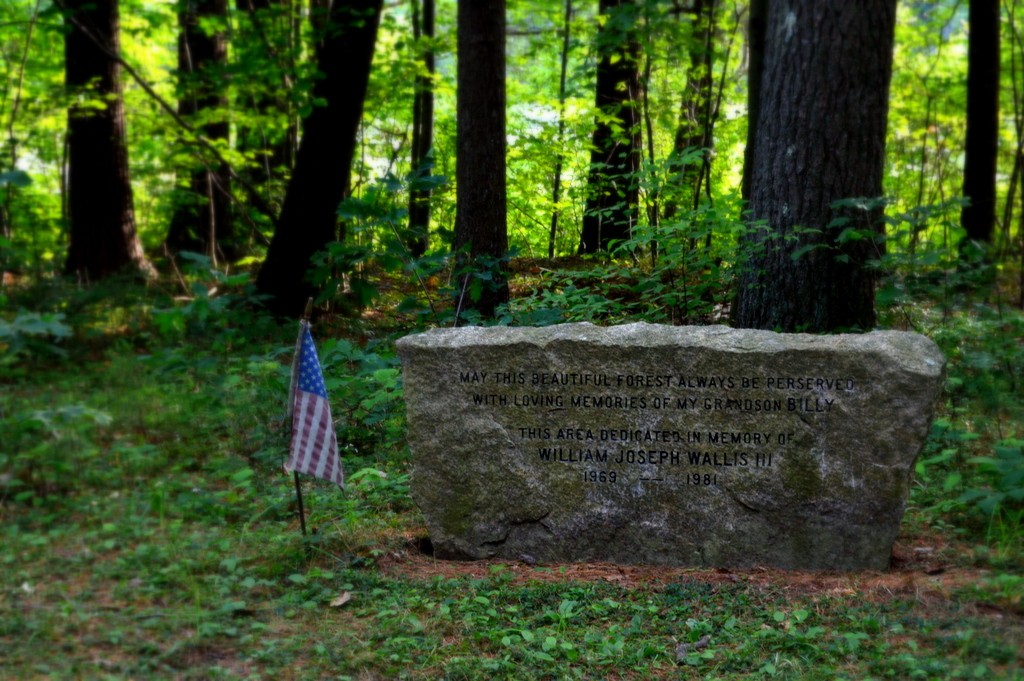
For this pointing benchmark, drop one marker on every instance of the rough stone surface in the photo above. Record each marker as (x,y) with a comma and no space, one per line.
(704,446)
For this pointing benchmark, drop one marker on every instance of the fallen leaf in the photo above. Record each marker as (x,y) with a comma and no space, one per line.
(341,600)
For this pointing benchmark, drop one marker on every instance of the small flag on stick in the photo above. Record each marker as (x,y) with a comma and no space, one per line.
(314,449)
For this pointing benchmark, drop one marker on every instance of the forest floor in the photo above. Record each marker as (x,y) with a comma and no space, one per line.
(147,530)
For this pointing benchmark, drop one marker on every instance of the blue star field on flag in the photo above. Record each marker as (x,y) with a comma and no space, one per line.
(311,377)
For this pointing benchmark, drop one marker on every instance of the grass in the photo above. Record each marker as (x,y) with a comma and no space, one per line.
(147,531)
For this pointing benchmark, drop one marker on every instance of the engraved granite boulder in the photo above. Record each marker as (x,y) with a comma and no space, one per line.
(640,443)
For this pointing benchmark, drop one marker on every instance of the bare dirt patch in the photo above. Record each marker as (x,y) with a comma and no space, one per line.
(917,574)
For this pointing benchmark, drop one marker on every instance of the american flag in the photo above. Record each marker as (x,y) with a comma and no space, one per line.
(314,449)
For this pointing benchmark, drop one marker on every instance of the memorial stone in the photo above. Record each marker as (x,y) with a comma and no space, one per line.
(649,444)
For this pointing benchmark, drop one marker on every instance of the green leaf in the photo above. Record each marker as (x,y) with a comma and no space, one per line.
(15,178)
(803,250)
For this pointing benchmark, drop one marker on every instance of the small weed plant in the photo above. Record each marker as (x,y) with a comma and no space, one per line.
(148,530)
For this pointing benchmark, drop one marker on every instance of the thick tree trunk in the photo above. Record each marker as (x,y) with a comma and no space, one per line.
(613,184)
(820,137)
(422,130)
(755,62)
(978,218)
(309,219)
(103,239)
(202,219)
(480,222)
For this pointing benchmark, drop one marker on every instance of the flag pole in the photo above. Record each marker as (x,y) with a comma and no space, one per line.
(298,495)
(291,406)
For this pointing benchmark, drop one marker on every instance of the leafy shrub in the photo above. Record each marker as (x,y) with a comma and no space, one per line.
(45,452)
(218,303)
(352,273)
(679,272)
(32,334)
(365,387)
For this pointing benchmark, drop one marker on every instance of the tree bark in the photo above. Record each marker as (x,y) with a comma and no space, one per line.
(820,137)
(692,129)
(556,185)
(612,184)
(202,218)
(101,212)
(264,42)
(422,130)
(755,62)
(323,165)
(981,146)
(480,223)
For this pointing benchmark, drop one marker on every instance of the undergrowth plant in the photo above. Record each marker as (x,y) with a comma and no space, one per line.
(32,333)
(678,272)
(971,472)
(149,531)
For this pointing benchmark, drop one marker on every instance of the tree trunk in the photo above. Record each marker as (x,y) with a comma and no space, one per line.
(319,17)
(613,185)
(820,137)
(556,186)
(323,166)
(103,239)
(480,222)
(980,151)
(422,131)
(202,218)
(692,130)
(264,42)
(755,62)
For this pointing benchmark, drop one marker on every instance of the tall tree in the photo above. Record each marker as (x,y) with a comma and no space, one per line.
(1015,40)
(612,183)
(813,147)
(263,46)
(323,165)
(202,218)
(758,12)
(101,212)
(422,126)
(693,130)
(481,229)
(9,163)
(981,147)
(556,187)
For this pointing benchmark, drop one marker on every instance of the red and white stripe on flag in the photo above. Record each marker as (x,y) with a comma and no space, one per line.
(314,448)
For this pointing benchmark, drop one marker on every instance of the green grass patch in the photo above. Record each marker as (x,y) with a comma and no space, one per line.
(148,531)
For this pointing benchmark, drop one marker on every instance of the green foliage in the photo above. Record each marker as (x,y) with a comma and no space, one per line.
(32,333)
(472,277)
(350,272)
(676,273)
(15,178)
(217,305)
(149,478)
(971,472)
(368,409)
(43,449)
(141,429)
(1004,473)
(926,107)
